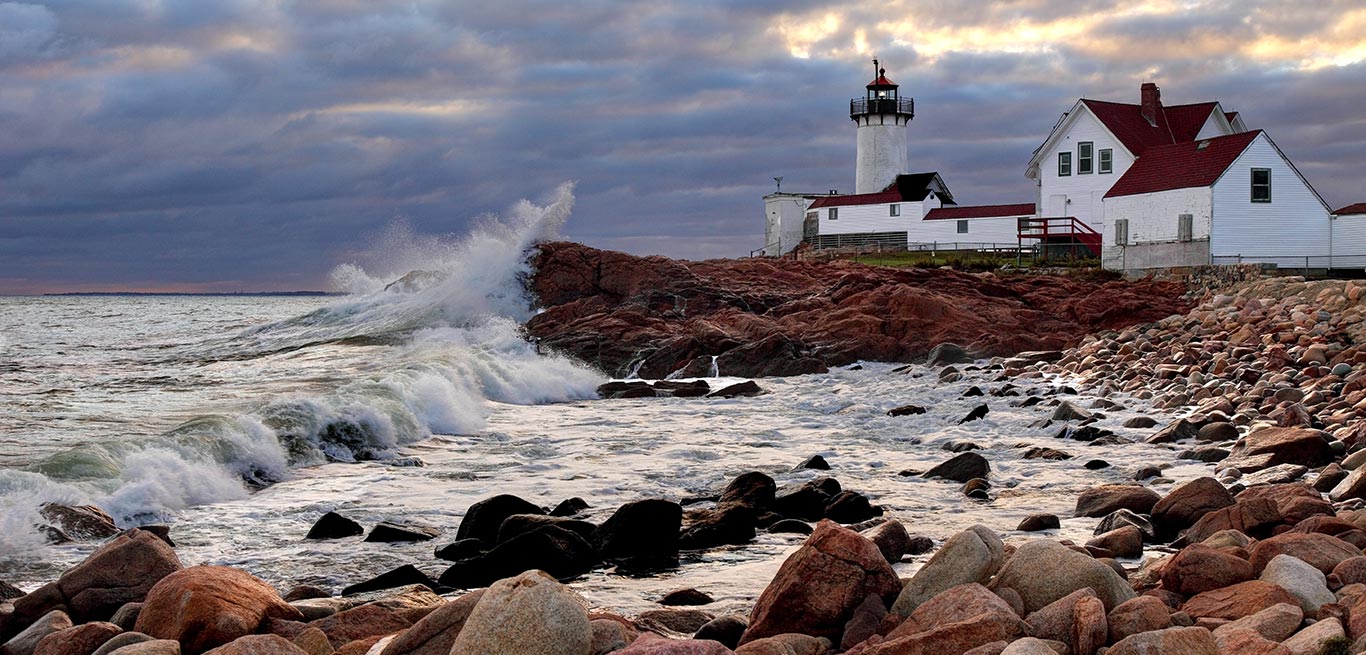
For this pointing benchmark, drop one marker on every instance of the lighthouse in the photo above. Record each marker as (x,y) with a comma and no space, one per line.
(881,117)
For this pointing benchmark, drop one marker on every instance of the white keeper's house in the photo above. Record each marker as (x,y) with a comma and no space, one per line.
(1142,186)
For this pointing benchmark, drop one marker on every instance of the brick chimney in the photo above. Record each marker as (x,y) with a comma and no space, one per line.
(1151,103)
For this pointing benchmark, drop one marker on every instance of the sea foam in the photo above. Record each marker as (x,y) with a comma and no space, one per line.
(439,354)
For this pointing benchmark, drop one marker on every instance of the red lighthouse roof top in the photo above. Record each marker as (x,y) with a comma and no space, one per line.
(881,82)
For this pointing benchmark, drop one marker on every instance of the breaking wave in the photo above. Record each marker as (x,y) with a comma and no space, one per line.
(447,342)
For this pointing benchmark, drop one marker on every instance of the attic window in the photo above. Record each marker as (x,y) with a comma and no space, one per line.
(1064,164)
(1261,185)
(1107,160)
(1085,157)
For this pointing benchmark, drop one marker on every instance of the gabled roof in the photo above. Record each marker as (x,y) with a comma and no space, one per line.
(1231,115)
(1182,165)
(1175,124)
(905,188)
(1352,210)
(981,211)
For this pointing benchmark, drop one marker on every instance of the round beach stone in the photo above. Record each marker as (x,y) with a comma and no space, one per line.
(1305,582)
(1099,501)
(529,613)
(203,607)
(972,555)
(1171,641)
(1043,571)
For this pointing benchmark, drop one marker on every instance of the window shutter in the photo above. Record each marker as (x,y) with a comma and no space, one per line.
(1122,232)
(1183,227)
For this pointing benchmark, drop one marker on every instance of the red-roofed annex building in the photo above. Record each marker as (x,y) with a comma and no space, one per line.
(1142,185)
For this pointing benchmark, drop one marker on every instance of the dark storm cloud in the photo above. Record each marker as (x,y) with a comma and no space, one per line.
(244,144)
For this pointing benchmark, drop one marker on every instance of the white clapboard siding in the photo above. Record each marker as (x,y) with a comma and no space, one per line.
(1083,191)
(1349,241)
(1153,217)
(857,219)
(1002,230)
(1294,224)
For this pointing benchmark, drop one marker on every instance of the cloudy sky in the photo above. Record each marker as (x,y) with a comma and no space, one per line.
(256,144)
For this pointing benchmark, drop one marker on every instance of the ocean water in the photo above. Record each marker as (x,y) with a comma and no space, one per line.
(240,420)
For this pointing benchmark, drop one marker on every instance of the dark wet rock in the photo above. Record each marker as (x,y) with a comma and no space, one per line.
(1140,422)
(850,507)
(400,577)
(570,507)
(1207,454)
(1186,504)
(1096,464)
(973,392)
(305,592)
(741,389)
(1217,431)
(864,623)
(977,412)
(1039,522)
(460,549)
(814,462)
(334,526)
(753,489)
(560,552)
(641,535)
(386,532)
(522,523)
(827,485)
(1329,478)
(977,489)
(622,390)
(1039,452)
(9,591)
(960,446)
(791,526)
(724,629)
(891,538)
(1099,501)
(805,503)
(1181,430)
(1123,517)
(1066,411)
(962,468)
(1124,541)
(728,524)
(483,518)
(686,596)
(83,522)
(1147,472)
(163,532)
(1085,433)
(947,353)
(906,410)
(919,545)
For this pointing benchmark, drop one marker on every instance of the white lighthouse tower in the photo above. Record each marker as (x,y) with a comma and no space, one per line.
(881,116)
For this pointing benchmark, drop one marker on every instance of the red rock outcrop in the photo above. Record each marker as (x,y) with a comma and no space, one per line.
(785,317)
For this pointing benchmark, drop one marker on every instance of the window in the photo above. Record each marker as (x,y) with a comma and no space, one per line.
(1183,227)
(1122,232)
(834,213)
(1107,160)
(894,210)
(1064,164)
(810,216)
(1261,185)
(962,227)
(1085,158)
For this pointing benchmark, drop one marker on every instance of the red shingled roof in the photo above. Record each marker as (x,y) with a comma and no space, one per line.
(1349,210)
(857,199)
(1175,124)
(1230,115)
(981,211)
(881,81)
(1182,165)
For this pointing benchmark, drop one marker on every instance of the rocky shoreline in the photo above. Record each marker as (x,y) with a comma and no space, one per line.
(1264,555)
(657,317)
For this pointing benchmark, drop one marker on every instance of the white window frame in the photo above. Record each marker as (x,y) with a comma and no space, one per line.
(834,214)
(962,226)
(1106,158)
(894,209)
(1086,158)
